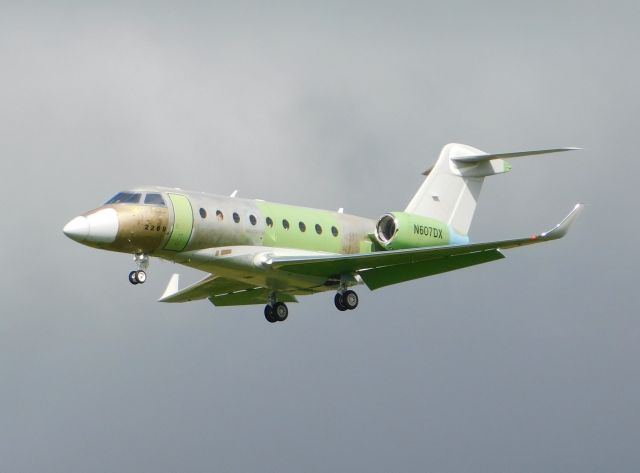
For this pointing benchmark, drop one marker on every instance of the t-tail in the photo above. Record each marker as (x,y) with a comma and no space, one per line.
(452,188)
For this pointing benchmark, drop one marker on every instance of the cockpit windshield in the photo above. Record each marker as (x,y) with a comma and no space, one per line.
(154,199)
(124,198)
(151,198)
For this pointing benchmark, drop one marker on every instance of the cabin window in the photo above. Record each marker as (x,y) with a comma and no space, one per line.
(302,226)
(124,198)
(318,229)
(154,199)
(269,222)
(203,213)
(285,224)
(219,215)
(252,219)
(334,231)
(236,217)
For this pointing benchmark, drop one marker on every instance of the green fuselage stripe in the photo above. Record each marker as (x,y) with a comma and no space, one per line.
(317,225)
(182,224)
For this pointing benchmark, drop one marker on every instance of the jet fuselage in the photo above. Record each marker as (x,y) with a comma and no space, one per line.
(261,252)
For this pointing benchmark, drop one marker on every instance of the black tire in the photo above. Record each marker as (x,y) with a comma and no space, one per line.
(268,314)
(280,311)
(132,278)
(141,277)
(349,299)
(338,301)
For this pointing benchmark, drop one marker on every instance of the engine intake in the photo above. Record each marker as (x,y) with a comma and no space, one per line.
(386,228)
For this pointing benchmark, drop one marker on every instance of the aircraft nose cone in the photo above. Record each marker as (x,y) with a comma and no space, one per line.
(97,227)
(77,229)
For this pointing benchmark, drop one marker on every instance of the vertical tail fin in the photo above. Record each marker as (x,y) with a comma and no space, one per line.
(451,190)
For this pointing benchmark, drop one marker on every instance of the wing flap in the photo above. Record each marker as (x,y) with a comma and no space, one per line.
(257,295)
(388,275)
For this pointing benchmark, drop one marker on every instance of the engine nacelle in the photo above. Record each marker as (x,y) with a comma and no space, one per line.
(401,230)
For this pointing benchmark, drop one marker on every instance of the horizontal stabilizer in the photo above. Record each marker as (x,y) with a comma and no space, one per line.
(479,158)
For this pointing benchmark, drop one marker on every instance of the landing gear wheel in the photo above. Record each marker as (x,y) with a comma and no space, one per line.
(269,314)
(137,277)
(349,299)
(280,311)
(338,301)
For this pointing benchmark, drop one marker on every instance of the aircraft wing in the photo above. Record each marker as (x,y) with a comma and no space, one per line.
(383,268)
(220,291)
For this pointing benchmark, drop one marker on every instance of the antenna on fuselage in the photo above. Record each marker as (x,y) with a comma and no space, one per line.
(234,193)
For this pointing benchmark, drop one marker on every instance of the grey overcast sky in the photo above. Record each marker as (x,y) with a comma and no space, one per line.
(529,364)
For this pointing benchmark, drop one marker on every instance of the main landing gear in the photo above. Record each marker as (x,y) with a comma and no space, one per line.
(277,312)
(347,300)
(139,276)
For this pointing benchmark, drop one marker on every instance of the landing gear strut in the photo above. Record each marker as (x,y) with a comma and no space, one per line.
(139,276)
(347,300)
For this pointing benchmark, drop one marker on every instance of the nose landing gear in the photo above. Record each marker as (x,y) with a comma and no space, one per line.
(139,276)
